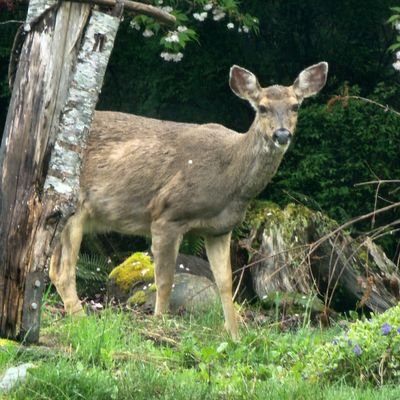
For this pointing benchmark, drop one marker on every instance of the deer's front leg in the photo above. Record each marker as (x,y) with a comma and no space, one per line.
(165,246)
(218,253)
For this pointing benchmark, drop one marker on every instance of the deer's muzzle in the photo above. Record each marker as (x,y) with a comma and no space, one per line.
(282,136)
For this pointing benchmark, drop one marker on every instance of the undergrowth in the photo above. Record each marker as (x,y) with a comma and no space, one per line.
(120,355)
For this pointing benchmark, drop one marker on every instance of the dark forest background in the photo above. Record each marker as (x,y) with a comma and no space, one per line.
(338,143)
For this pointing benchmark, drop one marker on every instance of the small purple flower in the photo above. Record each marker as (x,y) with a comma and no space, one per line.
(398,331)
(357,350)
(335,342)
(349,342)
(386,328)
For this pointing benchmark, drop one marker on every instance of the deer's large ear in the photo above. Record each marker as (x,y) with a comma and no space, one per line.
(311,80)
(244,84)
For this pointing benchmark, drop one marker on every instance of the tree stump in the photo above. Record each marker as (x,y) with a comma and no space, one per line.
(345,273)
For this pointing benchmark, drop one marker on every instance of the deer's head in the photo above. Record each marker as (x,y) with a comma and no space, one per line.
(277,106)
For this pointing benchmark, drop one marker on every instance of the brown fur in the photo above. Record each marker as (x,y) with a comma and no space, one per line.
(149,177)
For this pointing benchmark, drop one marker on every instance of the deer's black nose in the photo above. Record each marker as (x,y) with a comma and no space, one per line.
(282,136)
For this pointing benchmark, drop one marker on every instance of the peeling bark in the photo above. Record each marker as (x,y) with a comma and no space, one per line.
(38,187)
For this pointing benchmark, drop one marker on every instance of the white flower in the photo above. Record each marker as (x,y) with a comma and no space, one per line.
(245,29)
(398,55)
(182,28)
(172,37)
(218,14)
(230,25)
(148,33)
(135,25)
(200,16)
(397,26)
(240,30)
(208,7)
(176,57)
(167,9)
(396,65)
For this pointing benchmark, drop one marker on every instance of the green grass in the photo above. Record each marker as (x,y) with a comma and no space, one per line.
(120,355)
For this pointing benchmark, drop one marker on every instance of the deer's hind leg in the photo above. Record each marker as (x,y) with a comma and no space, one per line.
(63,264)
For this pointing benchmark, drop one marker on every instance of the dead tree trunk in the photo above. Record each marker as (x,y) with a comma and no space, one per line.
(346,273)
(60,74)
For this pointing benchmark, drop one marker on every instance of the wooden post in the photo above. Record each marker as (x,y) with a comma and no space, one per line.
(39,185)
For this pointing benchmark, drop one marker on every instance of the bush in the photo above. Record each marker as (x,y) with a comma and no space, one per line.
(369,351)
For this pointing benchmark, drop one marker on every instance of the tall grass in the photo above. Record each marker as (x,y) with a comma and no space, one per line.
(118,355)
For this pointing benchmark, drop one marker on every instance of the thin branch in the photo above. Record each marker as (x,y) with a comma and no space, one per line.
(344,99)
(12,21)
(135,7)
(377,182)
(317,243)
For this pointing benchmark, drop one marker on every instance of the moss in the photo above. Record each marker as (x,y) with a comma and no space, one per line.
(137,299)
(261,211)
(137,268)
(152,288)
(8,343)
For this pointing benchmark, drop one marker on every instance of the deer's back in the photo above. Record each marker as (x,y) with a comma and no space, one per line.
(139,169)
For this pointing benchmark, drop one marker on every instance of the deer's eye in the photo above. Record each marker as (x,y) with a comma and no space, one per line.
(294,107)
(263,109)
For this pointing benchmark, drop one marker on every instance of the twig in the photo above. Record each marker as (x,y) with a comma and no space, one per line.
(12,21)
(386,108)
(377,182)
(317,243)
(136,7)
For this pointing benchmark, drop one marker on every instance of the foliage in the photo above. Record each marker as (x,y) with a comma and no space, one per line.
(188,14)
(368,352)
(91,273)
(122,356)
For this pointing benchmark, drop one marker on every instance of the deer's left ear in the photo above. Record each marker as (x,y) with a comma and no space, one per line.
(311,80)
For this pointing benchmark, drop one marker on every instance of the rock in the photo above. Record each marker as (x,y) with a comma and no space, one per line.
(136,270)
(190,293)
(346,273)
(13,376)
(133,282)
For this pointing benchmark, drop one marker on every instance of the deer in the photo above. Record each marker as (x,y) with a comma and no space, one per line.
(164,179)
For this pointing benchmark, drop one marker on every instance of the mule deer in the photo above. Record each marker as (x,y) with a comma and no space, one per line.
(144,176)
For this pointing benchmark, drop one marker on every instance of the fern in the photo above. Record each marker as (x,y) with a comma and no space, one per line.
(192,245)
(92,273)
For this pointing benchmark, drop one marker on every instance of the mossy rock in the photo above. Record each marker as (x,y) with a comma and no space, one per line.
(137,268)
(133,282)
(192,293)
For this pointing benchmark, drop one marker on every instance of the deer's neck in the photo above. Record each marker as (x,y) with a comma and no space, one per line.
(260,159)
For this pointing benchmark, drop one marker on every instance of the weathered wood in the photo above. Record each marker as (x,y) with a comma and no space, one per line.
(62,182)
(40,90)
(344,272)
(37,195)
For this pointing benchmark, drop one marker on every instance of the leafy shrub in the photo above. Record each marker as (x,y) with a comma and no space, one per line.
(369,351)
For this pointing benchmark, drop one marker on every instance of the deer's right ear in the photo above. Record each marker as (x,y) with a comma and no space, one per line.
(244,84)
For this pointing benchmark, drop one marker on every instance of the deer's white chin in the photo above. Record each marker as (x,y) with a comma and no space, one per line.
(281,147)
